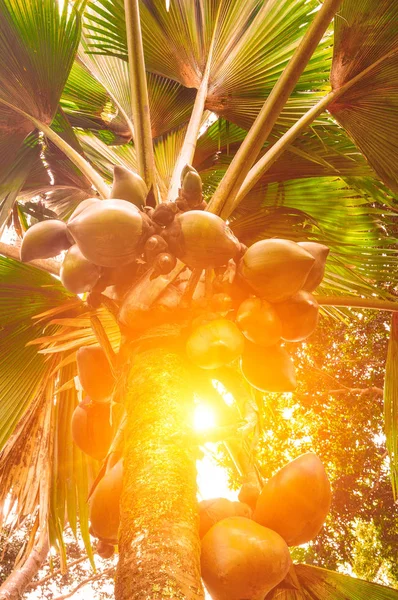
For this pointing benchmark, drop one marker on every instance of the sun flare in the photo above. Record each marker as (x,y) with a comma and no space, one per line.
(204,418)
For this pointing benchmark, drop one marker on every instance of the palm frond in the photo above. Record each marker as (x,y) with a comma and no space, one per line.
(366,41)
(312,583)
(24,292)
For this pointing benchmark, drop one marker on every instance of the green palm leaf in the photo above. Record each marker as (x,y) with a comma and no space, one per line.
(24,292)
(366,38)
(320,584)
(362,253)
(38,43)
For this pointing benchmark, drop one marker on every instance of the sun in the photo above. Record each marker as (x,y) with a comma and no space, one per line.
(204,418)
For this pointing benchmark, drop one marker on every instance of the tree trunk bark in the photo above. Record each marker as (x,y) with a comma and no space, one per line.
(158,537)
(15,585)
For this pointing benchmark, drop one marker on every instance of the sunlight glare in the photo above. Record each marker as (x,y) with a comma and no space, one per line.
(204,418)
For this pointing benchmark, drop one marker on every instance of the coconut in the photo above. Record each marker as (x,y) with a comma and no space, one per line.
(104,511)
(83,206)
(296,500)
(249,493)
(153,246)
(299,316)
(105,550)
(268,369)
(191,189)
(201,240)
(275,269)
(315,276)
(78,275)
(110,233)
(95,373)
(241,559)
(214,510)
(259,322)
(128,186)
(92,431)
(44,240)
(215,344)
(163,264)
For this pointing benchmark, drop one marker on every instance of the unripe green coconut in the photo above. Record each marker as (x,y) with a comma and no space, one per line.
(201,240)
(242,560)
(110,233)
(83,206)
(296,500)
(275,269)
(128,186)
(315,276)
(44,240)
(78,275)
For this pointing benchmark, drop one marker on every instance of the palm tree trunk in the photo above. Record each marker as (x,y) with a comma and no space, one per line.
(159,543)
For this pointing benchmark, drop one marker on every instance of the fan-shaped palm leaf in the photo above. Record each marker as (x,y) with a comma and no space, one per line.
(366,39)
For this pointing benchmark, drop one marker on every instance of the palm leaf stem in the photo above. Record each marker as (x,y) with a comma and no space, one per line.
(358,302)
(266,119)
(139,94)
(272,155)
(51,266)
(191,137)
(76,158)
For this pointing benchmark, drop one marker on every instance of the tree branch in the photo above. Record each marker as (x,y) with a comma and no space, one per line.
(36,584)
(108,572)
(49,265)
(15,585)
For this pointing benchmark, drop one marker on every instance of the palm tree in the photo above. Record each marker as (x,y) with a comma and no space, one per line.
(288,109)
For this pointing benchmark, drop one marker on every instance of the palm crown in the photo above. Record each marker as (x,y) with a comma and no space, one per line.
(292,138)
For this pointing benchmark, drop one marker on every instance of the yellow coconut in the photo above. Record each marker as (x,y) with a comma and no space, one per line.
(296,500)
(95,373)
(44,240)
(78,275)
(105,550)
(215,344)
(92,430)
(299,316)
(110,233)
(275,269)
(216,509)
(128,186)
(268,369)
(241,559)
(259,322)
(105,504)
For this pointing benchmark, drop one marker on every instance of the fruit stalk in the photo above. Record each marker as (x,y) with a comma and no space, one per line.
(139,94)
(159,522)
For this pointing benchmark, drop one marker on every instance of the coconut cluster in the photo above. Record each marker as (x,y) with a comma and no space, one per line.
(178,262)
(95,422)
(245,550)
